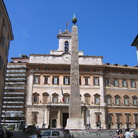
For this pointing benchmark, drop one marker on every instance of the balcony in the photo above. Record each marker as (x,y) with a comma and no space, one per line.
(15,79)
(14,71)
(15,75)
(12,67)
(15,83)
(14,88)
(15,107)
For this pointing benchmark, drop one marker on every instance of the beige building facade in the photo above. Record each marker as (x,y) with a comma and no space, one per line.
(6,36)
(108,93)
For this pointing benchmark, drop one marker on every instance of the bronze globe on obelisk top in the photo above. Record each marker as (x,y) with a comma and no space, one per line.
(74,20)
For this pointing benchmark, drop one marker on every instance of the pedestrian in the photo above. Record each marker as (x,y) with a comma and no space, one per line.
(121,134)
(39,134)
(127,133)
(117,134)
(68,135)
(132,133)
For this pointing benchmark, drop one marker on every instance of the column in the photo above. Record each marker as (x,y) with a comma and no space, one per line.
(59,119)
(29,89)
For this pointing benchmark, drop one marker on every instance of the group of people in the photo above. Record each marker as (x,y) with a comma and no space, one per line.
(128,134)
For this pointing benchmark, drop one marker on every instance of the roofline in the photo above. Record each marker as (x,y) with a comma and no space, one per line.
(135,42)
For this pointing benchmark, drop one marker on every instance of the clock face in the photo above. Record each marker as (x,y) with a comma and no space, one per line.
(67,57)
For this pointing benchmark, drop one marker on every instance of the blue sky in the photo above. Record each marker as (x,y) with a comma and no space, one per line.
(106,27)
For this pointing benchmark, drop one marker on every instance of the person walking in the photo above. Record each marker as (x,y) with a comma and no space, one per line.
(127,133)
(121,135)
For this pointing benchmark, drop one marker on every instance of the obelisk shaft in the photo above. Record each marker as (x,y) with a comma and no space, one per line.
(75,121)
(75,101)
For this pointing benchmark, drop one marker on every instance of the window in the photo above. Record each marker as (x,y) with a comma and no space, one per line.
(107,81)
(134,100)
(116,83)
(124,83)
(95,70)
(86,79)
(108,99)
(97,98)
(45,97)
(96,81)
(87,98)
(36,79)
(46,69)
(55,133)
(127,116)
(66,98)
(66,80)
(35,98)
(66,46)
(109,118)
(55,80)
(136,118)
(132,83)
(86,70)
(46,79)
(126,100)
(117,100)
(55,69)
(36,69)
(66,69)
(118,117)
(55,98)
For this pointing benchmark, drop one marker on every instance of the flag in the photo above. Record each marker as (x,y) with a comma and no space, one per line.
(62,94)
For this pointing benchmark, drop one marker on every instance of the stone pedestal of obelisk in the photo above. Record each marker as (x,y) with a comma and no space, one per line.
(75,120)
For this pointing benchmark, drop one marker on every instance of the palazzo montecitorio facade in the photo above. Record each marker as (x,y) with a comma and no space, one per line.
(108,93)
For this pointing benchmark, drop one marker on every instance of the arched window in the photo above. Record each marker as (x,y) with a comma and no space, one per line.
(66,44)
(108,99)
(117,100)
(66,98)
(55,98)
(134,100)
(35,98)
(87,98)
(97,99)
(45,97)
(126,100)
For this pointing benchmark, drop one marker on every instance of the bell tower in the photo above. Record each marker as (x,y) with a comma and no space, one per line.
(64,45)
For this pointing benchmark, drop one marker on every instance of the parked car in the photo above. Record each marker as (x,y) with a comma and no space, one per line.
(51,134)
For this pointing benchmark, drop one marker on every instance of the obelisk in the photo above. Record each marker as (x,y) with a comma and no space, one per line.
(75,120)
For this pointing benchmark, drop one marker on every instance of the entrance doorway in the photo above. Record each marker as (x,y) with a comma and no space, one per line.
(65,117)
(54,123)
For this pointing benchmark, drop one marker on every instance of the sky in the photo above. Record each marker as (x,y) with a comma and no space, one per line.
(106,27)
